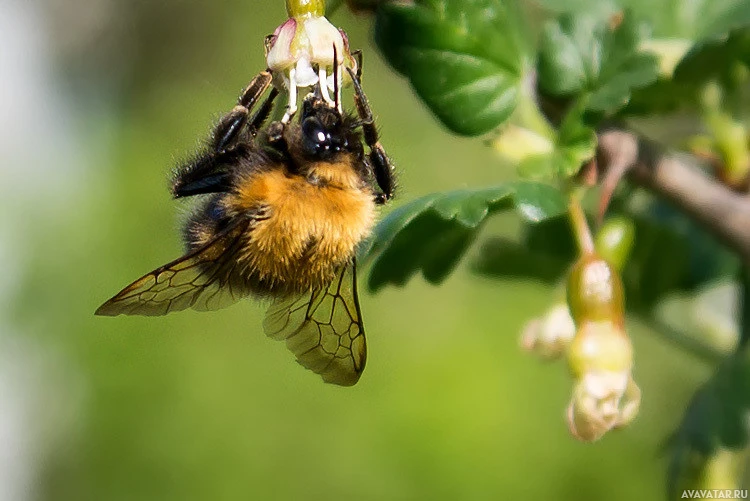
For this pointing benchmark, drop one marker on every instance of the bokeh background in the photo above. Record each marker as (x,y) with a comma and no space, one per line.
(100,98)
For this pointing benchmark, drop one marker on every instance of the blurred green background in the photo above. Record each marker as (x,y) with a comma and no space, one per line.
(100,99)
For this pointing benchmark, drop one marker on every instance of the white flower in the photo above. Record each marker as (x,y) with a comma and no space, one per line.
(301,53)
(550,335)
(605,396)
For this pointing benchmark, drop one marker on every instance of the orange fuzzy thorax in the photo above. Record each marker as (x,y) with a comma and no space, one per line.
(314,224)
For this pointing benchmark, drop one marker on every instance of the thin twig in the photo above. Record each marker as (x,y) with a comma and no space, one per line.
(721,211)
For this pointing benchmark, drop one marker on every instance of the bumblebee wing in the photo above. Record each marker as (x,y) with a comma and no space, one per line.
(323,328)
(204,279)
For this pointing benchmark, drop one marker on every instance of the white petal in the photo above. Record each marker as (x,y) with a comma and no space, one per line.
(306,75)
(322,37)
(283,52)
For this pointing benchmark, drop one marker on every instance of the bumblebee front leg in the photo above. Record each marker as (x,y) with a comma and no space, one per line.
(357,55)
(230,126)
(381,165)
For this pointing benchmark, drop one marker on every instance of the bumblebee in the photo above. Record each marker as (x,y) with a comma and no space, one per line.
(283,210)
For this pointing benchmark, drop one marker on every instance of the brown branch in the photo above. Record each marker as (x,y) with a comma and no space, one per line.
(720,210)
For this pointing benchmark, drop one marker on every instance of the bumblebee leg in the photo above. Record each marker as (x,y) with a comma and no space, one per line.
(357,54)
(381,166)
(262,114)
(231,125)
(274,135)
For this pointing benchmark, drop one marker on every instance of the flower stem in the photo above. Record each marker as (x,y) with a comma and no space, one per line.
(580,226)
(305,8)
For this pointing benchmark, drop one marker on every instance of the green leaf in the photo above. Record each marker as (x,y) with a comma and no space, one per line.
(714,59)
(464,58)
(723,60)
(504,259)
(716,417)
(694,19)
(670,19)
(575,144)
(715,34)
(433,233)
(582,54)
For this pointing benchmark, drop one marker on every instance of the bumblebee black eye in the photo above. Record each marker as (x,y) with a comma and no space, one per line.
(316,140)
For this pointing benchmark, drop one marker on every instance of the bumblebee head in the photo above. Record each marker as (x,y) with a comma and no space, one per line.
(323,130)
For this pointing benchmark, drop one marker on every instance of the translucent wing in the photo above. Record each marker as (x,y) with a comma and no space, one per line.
(323,328)
(204,279)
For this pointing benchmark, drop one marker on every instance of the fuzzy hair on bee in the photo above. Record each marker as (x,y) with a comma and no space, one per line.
(282,211)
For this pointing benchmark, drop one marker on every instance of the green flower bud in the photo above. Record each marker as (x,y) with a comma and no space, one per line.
(595,291)
(600,347)
(614,241)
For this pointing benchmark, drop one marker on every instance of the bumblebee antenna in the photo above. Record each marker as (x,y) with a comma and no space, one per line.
(336,86)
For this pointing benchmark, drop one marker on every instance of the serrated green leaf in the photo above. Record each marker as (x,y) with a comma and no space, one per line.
(464,58)
(434,232)
(582,54)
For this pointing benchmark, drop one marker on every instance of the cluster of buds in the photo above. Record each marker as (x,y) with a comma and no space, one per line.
(589,326)
(308,51)
(601,355)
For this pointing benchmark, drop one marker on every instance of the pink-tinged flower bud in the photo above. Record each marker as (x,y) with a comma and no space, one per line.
(301,53)
(550,335)
(601,355)
(303,43)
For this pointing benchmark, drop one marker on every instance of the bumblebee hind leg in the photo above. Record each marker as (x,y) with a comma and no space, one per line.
(381,166)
